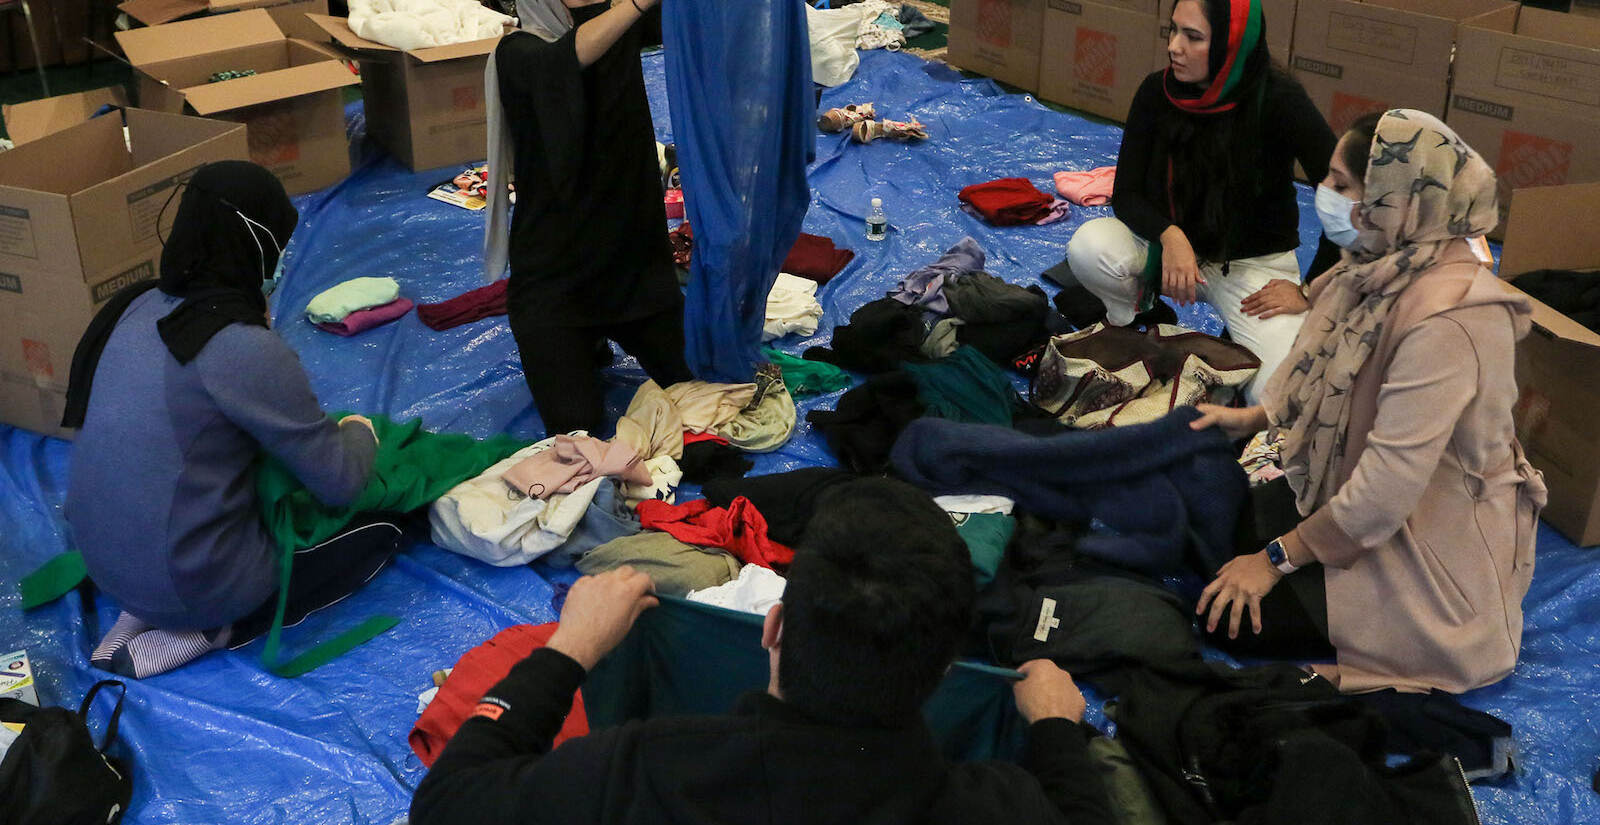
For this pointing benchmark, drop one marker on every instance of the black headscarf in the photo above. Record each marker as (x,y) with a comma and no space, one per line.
(215,260)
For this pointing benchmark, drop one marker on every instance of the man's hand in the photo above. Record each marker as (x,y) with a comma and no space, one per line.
(1047,692)
(1180,270)
(1278,297)
(599,612)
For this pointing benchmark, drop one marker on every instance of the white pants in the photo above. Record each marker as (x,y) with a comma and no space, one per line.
(1107,258)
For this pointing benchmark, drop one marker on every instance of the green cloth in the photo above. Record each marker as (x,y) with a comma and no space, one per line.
(965,387)
(1131,799)
(986,535)
(804,377)
(412,468)
(675,567)
(685,658)
(331,305)
(54,579)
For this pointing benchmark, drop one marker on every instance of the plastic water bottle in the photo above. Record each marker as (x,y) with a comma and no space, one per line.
(877,222)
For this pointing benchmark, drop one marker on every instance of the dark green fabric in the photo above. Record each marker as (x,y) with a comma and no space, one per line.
(54,579)
(412,468)
(986,535)
(689,658)
(804,377)
(965,386)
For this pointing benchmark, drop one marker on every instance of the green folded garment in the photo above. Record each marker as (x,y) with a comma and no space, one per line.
(804,377)
(333,304)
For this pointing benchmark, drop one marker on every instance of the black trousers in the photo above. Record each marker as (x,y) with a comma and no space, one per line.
(562,364)
(327,573)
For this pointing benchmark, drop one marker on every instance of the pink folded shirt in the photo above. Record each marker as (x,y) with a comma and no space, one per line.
(1091,188)
(572,462)
(364,319)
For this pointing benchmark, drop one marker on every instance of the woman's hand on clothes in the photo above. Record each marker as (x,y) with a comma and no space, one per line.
(1047,692)
(599,612)
(1235,422)
(1180,270)
(363,421)
(1278,297)
(1241,583)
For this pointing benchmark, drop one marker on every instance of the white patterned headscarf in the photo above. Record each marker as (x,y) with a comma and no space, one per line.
(548,20)
(1425,189)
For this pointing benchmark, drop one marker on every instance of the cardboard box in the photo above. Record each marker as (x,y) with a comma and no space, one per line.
(424,106)
(78,215)
(1280,31)
(292,105)
(1527,97)
(997,38)
(1360,57)
(1096,56)
(290,15)
(1553,228)
(16,678)
(36,118)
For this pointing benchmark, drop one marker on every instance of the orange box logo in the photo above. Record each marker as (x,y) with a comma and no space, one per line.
(994,22)
(466,98)
(1095,60)
(37,354)
(274,138)
(1531,160)
(1348,108)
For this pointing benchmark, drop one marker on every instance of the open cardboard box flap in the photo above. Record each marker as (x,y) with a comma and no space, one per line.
(223,32)
(36,118)
(339,29)
(266,88)
(157,12)
(1550,228)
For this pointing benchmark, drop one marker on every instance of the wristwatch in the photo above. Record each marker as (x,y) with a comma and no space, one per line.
(1280,557)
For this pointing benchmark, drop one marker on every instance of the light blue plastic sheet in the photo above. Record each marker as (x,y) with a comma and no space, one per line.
(220,741)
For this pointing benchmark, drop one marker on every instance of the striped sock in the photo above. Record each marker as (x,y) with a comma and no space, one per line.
(126,627)
(154,652)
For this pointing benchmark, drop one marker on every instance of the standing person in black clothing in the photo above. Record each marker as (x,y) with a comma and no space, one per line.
(587,241)
(1204,194)
(878,598)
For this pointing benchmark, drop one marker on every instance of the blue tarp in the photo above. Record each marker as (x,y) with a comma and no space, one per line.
(222,741)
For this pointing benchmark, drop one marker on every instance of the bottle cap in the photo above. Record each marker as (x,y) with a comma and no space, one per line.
(876,202)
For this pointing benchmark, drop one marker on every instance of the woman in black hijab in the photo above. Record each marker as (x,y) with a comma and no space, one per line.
(177,388)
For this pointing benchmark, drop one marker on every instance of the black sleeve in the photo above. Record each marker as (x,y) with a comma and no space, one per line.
(1327,257)
(1313,142)
(1058,756)
(1129,200)
(493,771)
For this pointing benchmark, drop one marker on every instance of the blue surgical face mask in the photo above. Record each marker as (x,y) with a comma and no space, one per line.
(268,284)
(1334,211)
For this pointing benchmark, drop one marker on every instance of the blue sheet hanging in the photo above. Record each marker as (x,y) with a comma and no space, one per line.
(743,108)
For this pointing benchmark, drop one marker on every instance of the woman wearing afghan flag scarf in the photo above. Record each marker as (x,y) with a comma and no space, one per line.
(1204,195)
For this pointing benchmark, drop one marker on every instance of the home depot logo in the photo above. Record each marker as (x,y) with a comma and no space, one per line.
(274,138)
(1348,108)
(37,355)
(994,22)
(1095,60)
(466,98)
(1531,160)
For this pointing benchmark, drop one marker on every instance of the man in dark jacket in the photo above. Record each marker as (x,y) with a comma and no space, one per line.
(877,600)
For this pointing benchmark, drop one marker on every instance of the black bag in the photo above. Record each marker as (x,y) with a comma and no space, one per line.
(53,774)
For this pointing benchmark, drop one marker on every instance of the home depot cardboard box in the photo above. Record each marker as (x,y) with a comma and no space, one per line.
(36,118)
(292,105)
(78,221)
(997,38)
(290,15)
(1096,56)
(424,106)
(1527,97)
(1557,364)
(1355,58)
(1280,16)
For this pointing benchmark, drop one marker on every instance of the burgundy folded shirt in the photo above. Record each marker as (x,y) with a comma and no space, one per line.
(364,319)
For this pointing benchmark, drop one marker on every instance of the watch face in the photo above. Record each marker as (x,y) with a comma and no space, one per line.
(1276,554)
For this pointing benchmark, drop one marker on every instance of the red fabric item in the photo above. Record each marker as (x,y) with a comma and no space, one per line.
(1007,201)
(478,670)
(815,257)
(674,203)
(690,438)
(480,303)
(364,319)
(739,528)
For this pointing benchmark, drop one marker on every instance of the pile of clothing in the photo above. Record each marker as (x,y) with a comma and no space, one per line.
(357,305)
(1012,202)
(1573,294)
(421,24)
(836,33)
